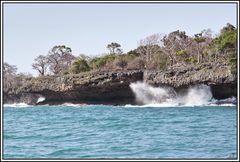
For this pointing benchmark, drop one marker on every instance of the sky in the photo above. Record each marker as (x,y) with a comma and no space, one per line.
(33,29)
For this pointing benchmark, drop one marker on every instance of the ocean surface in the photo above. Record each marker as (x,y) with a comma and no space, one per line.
(132,132)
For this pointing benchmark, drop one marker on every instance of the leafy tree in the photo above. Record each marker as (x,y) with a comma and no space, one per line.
(226,44)
(60,58)
(114,48)
(226,41)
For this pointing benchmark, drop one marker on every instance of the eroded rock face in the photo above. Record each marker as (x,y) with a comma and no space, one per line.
(113,87)
(105,87)
(182,76)
(223,84)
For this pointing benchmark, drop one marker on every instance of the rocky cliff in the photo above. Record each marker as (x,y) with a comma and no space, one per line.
(218,76)
(90,88)
(113,87)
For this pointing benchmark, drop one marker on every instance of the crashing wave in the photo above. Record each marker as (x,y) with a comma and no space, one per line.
(198,95)
(147,94)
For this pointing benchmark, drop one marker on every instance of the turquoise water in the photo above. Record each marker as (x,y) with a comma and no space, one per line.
(92,132)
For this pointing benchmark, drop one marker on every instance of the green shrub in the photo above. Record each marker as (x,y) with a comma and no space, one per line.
(133,53)
(65,73)
(163,62)
(79,66)
(199,39)
(99,62)
(190,60)
(181,53)
(228,39)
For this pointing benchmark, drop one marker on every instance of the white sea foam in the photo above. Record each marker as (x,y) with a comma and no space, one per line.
(40,99)
(16,105)
(73,105)
(198,95)
(150,105)
(225,104)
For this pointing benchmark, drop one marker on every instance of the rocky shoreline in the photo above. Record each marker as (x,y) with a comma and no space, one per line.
(113,87)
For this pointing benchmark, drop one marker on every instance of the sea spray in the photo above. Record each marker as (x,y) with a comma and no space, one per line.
(196,95)
(146,94)
(40,99)
(149,95)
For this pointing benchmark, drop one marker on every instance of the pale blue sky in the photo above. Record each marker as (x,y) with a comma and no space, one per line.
(32,29)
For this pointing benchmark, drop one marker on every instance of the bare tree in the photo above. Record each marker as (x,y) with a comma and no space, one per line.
(206,45)
(84,57)
(149,46)
(113,47)
(9,74)
(136,64)
(199,39)
(9,69)
(121,63)
(60,58)
(175,43)
(41,63)
(207,33)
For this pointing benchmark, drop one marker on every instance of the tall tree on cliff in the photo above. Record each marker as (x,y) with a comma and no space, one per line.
(149,46)
(60,58)
(227,40)
(199,39)
(9,74)
(40,64)
(175,46)
(12,80)
(114,48)
(207,54)
(226,44)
